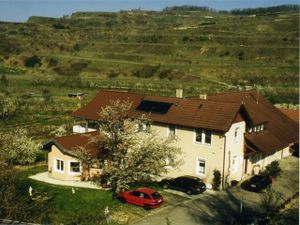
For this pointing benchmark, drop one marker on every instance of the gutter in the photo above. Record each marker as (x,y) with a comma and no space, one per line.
(223,175)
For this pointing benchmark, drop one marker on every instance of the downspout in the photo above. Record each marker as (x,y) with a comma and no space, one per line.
(223,173)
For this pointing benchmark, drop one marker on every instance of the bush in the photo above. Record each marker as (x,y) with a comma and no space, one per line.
(216,180)
(33,61)
(272,169)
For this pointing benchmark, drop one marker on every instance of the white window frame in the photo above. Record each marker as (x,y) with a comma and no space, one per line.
(69,169)
(202,137)
(197,166)
(234,163)
(55,165)
(261,127)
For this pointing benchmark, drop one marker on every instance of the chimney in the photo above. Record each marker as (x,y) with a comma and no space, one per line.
(203,96)
(179,93)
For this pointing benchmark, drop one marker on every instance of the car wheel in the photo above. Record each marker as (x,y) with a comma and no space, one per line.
(189,192)
(123,200)
(166,186)
(147,207)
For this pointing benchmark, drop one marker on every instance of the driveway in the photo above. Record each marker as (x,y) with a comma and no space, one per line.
(220,207)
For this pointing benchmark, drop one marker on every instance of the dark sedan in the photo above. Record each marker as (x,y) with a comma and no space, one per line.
(257,183)
(187,184)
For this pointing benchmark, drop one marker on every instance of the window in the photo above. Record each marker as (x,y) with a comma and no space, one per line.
(261,127)
(59,165)
(199,135)
(172,131)
(201,166)
(234,163)
(236,134)
(255,129)
(258,128)
(207,136)
(74,167)
(203,136)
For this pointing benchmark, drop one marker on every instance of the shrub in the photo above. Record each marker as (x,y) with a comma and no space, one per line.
(33,61)
(273,169)
(216,180)
(58,25)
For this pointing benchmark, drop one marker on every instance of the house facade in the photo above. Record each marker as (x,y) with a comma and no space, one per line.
(235,133)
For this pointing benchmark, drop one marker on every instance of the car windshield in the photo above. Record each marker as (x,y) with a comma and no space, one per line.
(156,195)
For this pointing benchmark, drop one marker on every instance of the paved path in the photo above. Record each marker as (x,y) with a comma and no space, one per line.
(43,177)
(220,207)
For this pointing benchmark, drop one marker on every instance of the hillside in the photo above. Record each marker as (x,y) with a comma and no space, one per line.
(201,51)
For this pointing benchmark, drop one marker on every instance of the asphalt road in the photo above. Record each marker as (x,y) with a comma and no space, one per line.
(221,207)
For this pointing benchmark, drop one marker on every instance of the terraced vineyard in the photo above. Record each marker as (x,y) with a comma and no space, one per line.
(202,48)
(153,52)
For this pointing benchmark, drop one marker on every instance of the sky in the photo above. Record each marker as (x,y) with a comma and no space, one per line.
(20,10)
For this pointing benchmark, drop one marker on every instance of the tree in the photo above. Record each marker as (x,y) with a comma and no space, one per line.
(127,155)
(216,180)
(4,81)
(33,61)
(270,201)
(272,169)
(16,147)
(15,202)
(86,160)
(9,105)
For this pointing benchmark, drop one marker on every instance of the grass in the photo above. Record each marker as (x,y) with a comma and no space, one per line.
(65,206)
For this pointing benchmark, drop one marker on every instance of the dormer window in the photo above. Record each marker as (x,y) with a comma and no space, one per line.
(256,129)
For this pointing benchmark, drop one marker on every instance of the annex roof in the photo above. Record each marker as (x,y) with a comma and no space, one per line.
(69,144)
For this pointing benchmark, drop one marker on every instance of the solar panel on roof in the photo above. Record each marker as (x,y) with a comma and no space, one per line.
(154,107)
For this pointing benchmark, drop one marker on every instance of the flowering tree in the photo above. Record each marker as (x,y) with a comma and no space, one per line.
(9,105)
(17,147)
(86,159)
(129,154)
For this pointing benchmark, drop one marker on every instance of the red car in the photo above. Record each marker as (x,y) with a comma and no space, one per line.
(145,197)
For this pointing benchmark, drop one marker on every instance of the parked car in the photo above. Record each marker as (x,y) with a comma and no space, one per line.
(187,184)
(145,197)
(257,183)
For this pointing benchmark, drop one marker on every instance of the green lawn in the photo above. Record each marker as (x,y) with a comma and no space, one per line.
(68,208)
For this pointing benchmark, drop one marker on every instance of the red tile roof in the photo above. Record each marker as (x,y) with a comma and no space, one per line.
(216,113)
(68,144)
(195,113)
(280,131)
(292,114)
